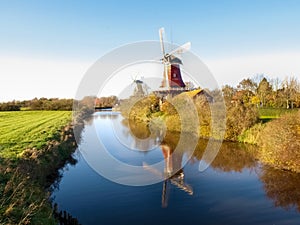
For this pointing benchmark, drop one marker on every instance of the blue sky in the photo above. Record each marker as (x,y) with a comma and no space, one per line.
(80,32)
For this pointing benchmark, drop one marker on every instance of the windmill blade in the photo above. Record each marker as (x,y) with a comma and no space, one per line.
(165,195)
(134,79)
(166,77)
(182,186)
(151,169)
(181,49)
(161,39)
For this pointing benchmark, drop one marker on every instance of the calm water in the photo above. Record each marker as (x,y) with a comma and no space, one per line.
(235,189)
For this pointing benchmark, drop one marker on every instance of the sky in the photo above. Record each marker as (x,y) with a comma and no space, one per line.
(46,47)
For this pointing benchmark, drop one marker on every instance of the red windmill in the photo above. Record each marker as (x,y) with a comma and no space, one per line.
(172,75)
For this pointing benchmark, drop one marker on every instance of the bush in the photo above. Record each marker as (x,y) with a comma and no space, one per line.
(280,142)
(239,118)
(251,135)
(139,109)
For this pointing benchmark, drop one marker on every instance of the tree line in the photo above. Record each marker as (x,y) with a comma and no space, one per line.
(58,104)
(38,104)
(264,92)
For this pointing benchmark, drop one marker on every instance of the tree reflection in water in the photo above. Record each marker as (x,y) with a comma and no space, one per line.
(282,187)
(144,139)
(233,157)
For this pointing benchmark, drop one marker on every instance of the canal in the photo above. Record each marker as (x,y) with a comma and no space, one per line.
(234,189)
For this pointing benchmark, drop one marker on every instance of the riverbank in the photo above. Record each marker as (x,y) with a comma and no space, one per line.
(275,132)
(278,141)
(30,161)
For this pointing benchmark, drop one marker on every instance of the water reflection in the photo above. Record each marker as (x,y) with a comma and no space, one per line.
(233,157)
(174,173)
(106,115)
(137,136)
(282,187)
(173,162)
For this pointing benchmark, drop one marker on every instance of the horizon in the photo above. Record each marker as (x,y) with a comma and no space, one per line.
(48,47)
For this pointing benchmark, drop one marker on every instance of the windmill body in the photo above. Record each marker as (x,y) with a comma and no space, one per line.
(174,76)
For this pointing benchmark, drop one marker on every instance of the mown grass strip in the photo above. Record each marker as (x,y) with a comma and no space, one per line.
(29,129)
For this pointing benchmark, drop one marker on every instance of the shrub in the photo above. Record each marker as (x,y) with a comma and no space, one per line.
(139,109)
(251,135)
(280,142)
(239,118)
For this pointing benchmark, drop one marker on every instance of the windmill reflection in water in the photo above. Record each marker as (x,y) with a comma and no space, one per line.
(173,172)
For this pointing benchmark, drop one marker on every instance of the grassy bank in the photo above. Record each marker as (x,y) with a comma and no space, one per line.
(34,145)
(267,114)
(278,139)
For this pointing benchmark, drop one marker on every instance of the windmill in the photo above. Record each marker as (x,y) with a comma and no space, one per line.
(141,89)
(172,74)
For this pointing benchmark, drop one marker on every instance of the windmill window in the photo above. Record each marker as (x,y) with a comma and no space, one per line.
(174,75)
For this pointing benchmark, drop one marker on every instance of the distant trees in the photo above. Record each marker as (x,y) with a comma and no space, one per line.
(58,104)
(38,104)
(105,102)
(265,93)
(10,106)
(51,104)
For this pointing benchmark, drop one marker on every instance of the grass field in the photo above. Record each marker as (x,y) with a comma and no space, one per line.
(29,129)
(23,199)
(271,113)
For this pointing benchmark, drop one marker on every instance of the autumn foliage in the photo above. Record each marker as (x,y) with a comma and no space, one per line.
(280,142)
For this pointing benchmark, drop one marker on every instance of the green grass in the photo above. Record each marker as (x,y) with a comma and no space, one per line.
(23,199)
(29,129)
(273,113)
